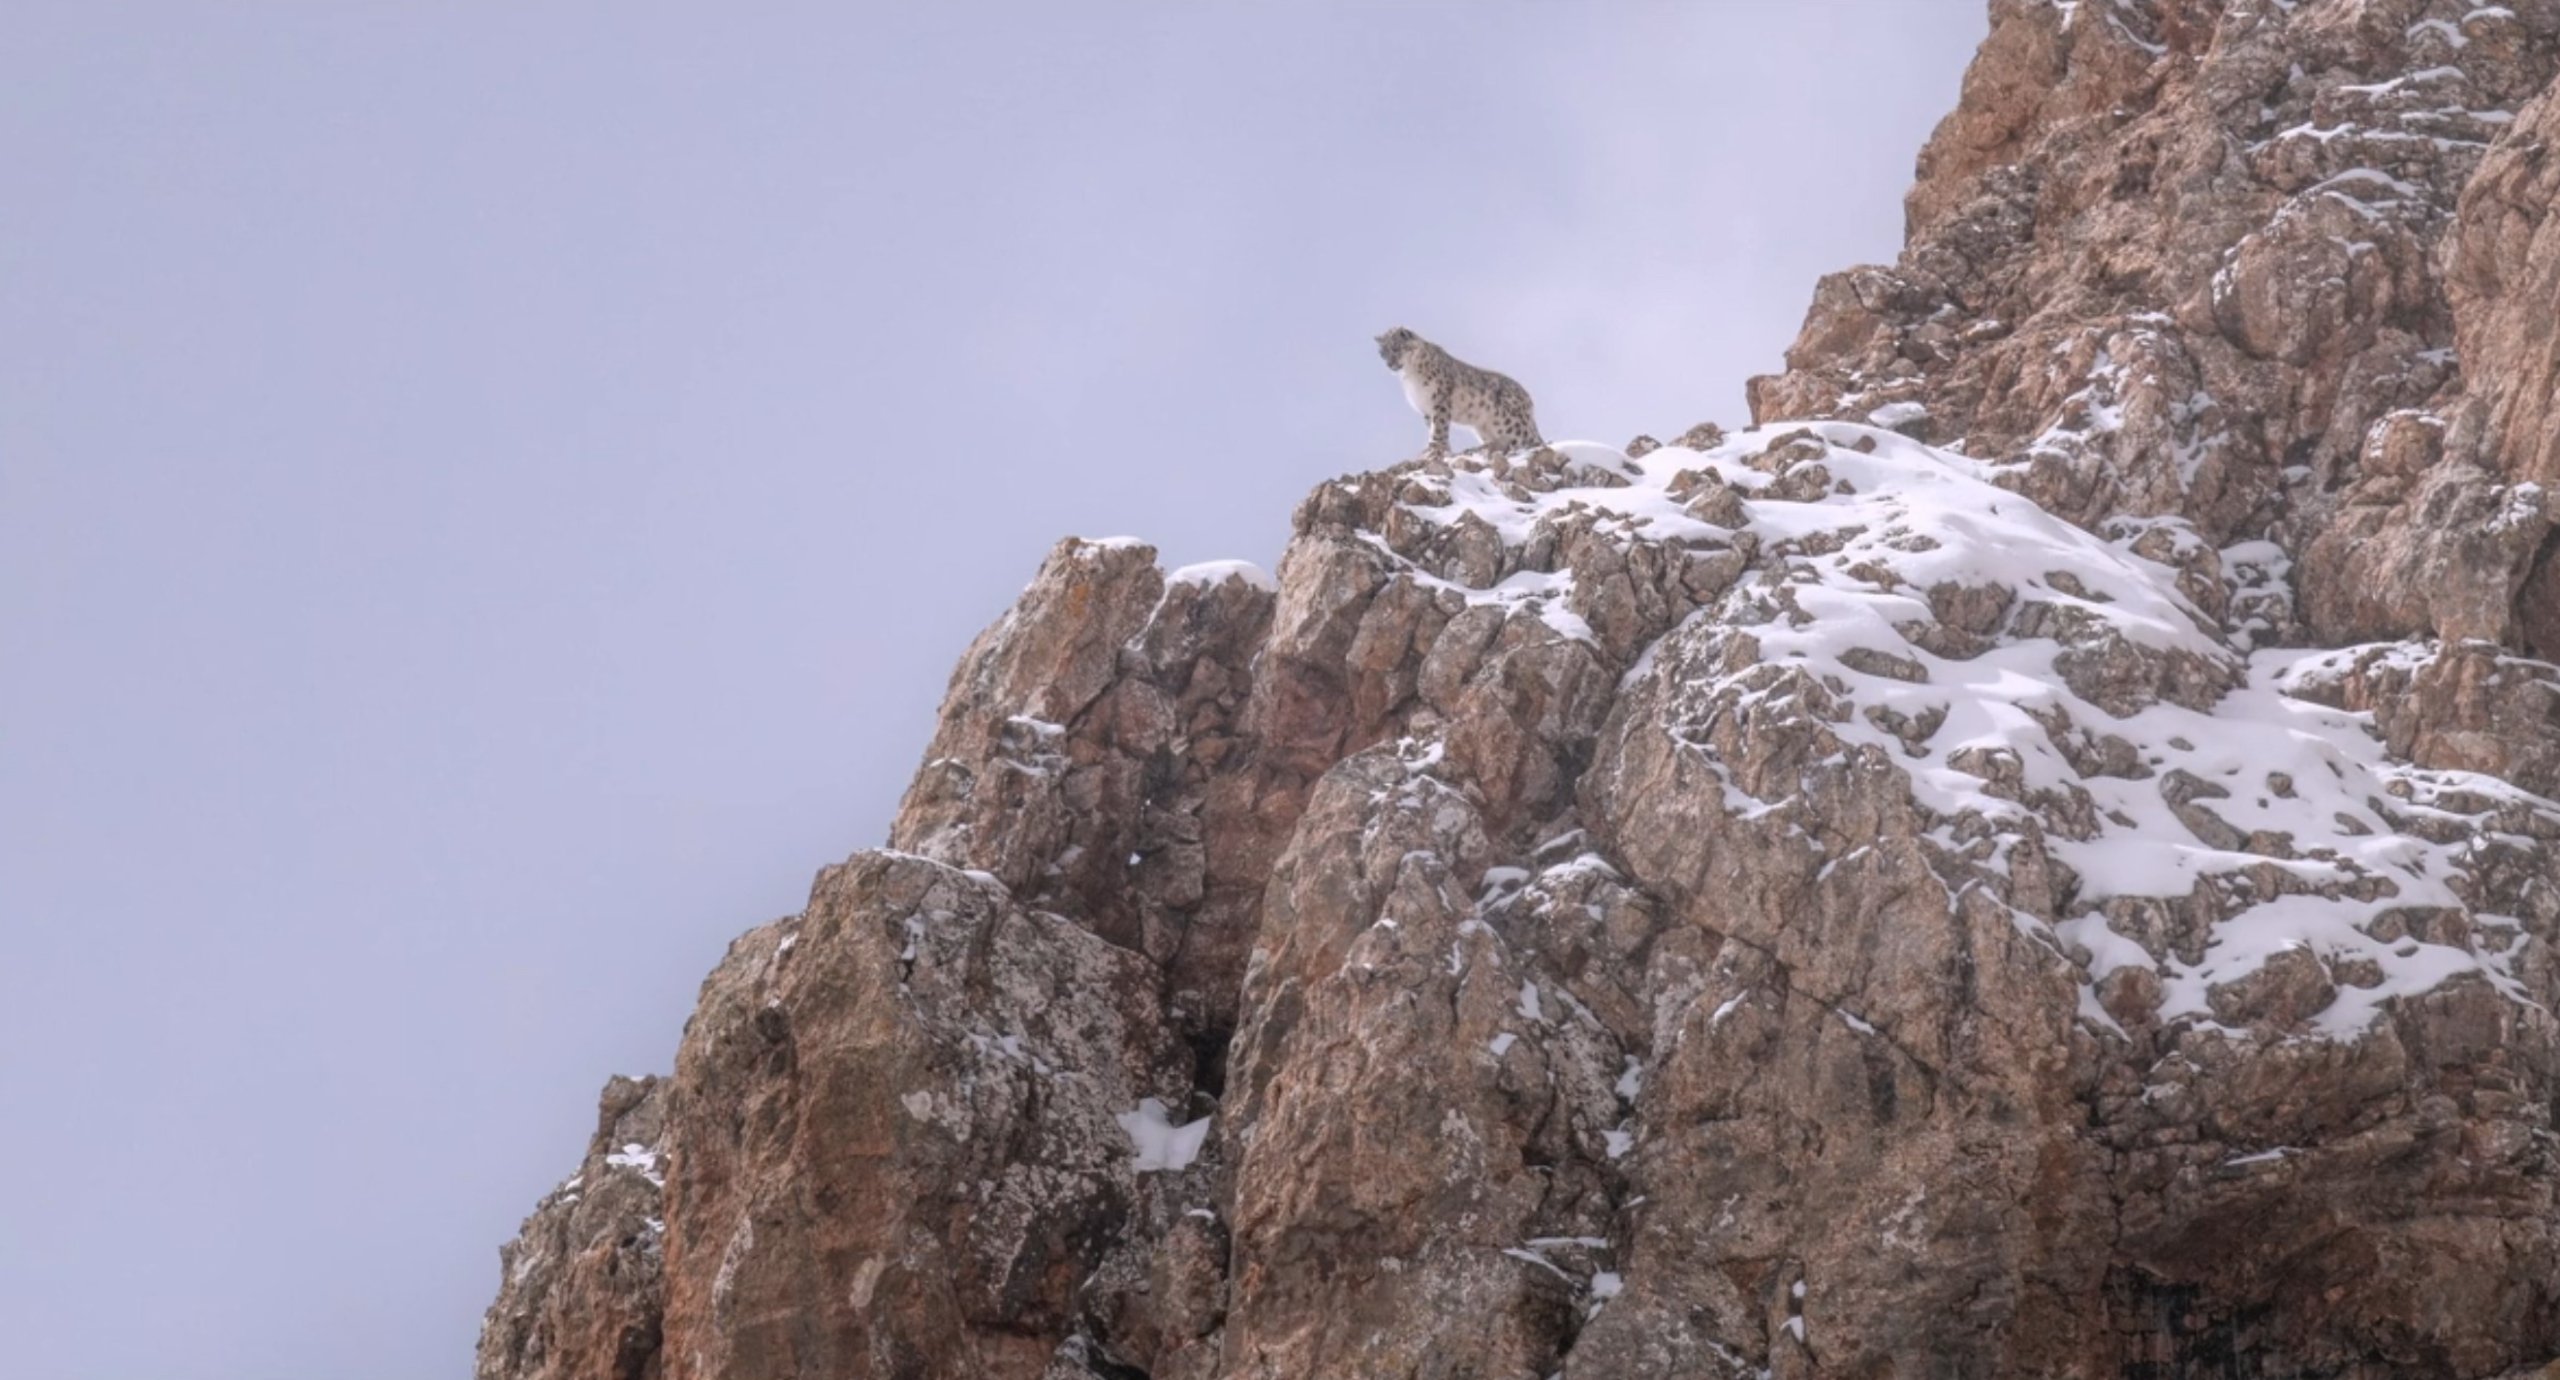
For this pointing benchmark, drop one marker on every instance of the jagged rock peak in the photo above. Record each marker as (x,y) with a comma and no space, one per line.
(2280,267)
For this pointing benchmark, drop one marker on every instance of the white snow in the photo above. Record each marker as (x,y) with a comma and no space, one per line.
(1925,517)
(1501,1044)
(2448,30)
(1213,573)
(1580,863)
(1893,415)
(1518,1253)
(638,1157)
(1161,1144)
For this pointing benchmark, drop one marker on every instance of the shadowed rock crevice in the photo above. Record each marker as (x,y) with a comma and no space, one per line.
(2537,614)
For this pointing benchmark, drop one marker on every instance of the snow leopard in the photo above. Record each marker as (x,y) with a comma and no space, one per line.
(1445,389)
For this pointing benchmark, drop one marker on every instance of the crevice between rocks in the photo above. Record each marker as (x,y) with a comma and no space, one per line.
(2537,603)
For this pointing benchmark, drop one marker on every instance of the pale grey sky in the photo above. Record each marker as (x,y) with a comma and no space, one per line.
(490,495)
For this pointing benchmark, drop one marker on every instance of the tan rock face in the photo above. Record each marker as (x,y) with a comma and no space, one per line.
(1808,902)
(2503,278)
(893,1130)
(1093,755)
(2186,257)
(585,1280)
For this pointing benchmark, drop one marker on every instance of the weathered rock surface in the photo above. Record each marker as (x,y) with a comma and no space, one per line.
(2043,863)
(2503,279)
(585,1280)
(2188,258)
(892,1130)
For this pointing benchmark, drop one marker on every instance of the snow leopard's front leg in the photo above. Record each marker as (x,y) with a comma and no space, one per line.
(1438,448)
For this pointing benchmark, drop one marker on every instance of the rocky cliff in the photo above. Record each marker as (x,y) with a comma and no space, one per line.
(2037,858)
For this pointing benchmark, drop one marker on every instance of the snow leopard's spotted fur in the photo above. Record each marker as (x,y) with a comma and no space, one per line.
(1445,389)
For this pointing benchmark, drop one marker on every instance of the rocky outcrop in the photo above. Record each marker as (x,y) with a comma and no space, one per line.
(2184,257)
(1093,754)
(893,1133)
(585,1280)
(2503,278)
(2043,862)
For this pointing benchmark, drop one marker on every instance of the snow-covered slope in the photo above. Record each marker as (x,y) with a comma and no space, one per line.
(2189,772)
